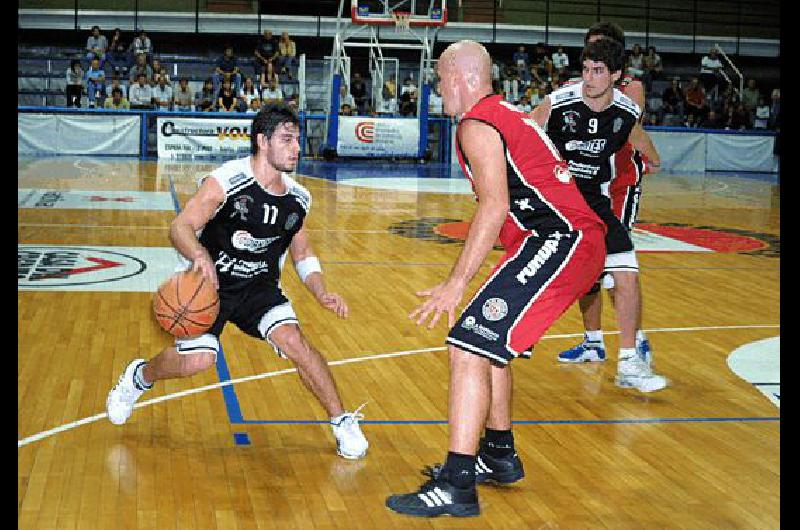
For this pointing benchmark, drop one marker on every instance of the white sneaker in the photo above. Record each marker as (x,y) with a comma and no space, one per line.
(122,397)
(350,441)
(634,372)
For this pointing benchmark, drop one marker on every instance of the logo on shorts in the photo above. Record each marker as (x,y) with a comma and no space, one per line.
(495,309)
(549,248)
(482,331)
(240,206)
(291,221)
(242,240)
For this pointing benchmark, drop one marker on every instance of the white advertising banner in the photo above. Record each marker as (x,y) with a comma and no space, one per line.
(379,137)
(185,138)
(740,152)
(78,134)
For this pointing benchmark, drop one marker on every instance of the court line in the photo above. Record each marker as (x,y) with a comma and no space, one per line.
(90,419)
(527,422)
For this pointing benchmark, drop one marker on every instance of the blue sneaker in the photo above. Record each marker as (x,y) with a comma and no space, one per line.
(644,351)
(585,352)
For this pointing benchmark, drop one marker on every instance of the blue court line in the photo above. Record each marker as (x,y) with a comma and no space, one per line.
(228,392)
(526,422)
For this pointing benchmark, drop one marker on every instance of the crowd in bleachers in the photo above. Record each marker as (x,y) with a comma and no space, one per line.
(708,100)
(138,80)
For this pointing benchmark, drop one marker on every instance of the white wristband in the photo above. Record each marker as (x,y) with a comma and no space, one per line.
(306,266)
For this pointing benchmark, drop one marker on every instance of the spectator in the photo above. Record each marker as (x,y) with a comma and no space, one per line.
(115,83)
(159,71)
(95,82)
(96,46)
(775,110)
(287,52)
(346,110)
(226,98)
(247,93)
(762,118)
(538,95)
(141,67)
(182,97)
(696,99)
(116,101)
(495,74)
(408,98)
(653,68)
(435,101)
(636,62)
(117,54)
(358,88)
(522,63)
(271,93)
(228,69)
(738,119)
(750,96)
(74,88)
(542,61)
(524,104)
(560,62)
(255,106)
(710,72)
(652,119)
(288,85)
(345,97)
(141,94)
(162,95)
(712,121)
(690,122)
(389,88)
(205,100)
(141,46)
(265,53)
(672,99)
(268,75)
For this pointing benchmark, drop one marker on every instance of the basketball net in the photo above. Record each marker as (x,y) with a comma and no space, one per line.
(402,21)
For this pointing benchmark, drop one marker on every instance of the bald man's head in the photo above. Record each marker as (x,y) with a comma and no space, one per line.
(465,71)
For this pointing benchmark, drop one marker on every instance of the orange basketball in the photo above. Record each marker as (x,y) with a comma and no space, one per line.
(186,305)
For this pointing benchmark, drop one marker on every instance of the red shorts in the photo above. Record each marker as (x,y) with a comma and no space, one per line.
(529,289)
(625,188)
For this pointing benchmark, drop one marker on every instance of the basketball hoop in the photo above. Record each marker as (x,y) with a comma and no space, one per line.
(402,21)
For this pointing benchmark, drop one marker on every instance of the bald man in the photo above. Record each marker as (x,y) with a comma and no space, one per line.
(554,250)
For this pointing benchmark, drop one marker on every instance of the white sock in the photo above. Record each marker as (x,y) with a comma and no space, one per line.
(595,336)
(640,336)
(138,378)
(336,420)
(626,353)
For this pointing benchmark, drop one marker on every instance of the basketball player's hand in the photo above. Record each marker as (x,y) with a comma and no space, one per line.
(335,303)
(444,297)
(202,263)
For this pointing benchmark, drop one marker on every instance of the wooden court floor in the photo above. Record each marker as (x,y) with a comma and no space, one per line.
(704,453)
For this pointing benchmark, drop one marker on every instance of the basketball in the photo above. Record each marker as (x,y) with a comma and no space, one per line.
(186,305)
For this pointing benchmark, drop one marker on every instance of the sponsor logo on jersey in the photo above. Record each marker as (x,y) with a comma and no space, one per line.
(240,206)
(495,309)
(239,268)
(291,221)
(570,121)
(237,178)
(470,324)
(585,171)
(565,95)
(549,248)
(562,173)
(243,240)
(591,147)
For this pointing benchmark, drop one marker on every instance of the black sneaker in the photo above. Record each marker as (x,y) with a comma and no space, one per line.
(436,497)
(505,470)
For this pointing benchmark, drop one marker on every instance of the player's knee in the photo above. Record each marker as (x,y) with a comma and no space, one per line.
(197,362)
(290,342)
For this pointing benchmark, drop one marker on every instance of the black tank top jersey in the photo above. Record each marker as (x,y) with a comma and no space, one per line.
(250,232)
(589,139)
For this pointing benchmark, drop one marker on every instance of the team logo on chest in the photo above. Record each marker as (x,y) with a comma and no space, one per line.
(240,206)
(571,118)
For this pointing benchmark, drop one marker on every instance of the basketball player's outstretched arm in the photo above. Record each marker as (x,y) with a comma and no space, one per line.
(195,214)
(300,249)
(483,148)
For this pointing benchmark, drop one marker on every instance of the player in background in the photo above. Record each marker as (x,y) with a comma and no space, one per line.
(630,165)
(589,122)
(236,230)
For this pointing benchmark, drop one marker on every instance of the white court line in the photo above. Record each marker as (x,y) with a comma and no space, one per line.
(90,419)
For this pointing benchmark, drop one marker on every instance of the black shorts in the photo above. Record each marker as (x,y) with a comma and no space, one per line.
(618,238)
